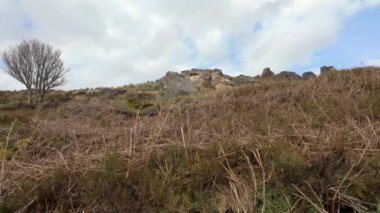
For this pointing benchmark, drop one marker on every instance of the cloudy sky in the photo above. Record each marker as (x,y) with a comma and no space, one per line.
(116,42)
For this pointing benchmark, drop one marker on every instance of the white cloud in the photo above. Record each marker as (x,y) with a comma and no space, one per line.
(116,42)
(372,62)
(8,83)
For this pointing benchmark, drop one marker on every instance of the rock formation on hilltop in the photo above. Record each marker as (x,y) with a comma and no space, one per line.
(207,78)
(174,84)
(287,75)
(308,75)
(193,80)
(267,73)
(189,81)
(327,69)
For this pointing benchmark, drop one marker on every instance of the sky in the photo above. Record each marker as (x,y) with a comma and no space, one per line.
(118,42)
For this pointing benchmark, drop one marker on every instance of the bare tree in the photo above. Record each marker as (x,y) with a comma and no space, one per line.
(36,65)
(19,64)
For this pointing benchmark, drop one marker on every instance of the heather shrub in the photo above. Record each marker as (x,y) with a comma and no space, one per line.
(274,146)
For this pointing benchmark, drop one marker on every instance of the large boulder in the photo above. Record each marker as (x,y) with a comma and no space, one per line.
(267,73)
(287,75)
(327,69)
(207,78)
(174,84)
(308,75)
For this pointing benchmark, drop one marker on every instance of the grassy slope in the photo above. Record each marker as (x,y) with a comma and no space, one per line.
(275,146)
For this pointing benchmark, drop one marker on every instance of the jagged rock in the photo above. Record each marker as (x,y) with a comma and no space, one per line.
(308,76)
(207,78)
(174,84)
(327,69)
(267,73)
(287,75)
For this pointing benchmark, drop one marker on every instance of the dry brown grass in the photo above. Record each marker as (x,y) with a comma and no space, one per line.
(276,146)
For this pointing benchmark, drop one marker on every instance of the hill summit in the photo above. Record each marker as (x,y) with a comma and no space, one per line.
(190,81)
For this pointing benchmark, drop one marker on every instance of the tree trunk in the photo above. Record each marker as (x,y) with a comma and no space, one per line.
(35,97)
(41,97)
(29,95)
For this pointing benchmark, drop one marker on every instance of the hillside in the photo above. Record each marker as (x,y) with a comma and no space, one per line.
(269,144)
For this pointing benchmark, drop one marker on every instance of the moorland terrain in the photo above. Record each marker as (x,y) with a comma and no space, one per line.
(266,144)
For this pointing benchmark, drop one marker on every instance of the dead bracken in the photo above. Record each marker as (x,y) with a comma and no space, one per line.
(270,144)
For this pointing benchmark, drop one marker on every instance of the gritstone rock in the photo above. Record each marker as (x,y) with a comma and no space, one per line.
(267,73)
(174,84)
(287,75)
(327,69)
(308,76)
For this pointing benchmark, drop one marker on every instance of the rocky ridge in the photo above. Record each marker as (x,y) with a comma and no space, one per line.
(189,81)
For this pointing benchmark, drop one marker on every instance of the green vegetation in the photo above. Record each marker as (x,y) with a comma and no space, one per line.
(273,146)
(149,86)
(138,102)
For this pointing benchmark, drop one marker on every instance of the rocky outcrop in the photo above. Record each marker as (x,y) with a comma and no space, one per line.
(207,78)
(327,69)
(174,84)
(189,81)
(194,72)
(287,75)
(267,73)
(308,76)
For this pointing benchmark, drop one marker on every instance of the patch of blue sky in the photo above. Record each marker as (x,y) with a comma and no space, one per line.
(233,53)
(258,26)
(192,47)
(357,42)
(27,23)
(189,43)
